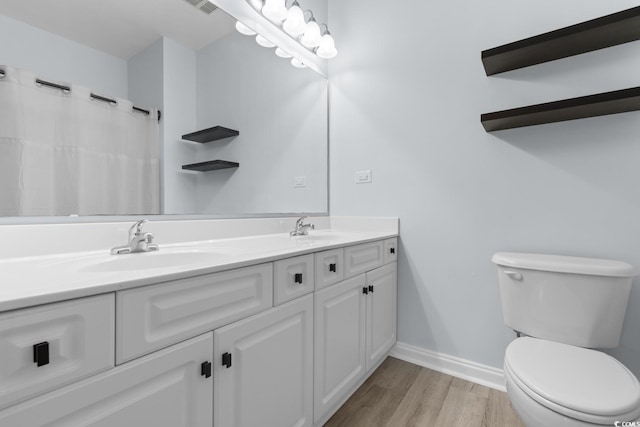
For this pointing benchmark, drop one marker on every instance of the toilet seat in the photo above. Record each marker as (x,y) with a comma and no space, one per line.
(582,384)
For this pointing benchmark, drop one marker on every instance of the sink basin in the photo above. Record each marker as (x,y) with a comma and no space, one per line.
(152,260)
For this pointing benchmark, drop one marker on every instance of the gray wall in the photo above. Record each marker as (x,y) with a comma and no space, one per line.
(54,57)
(281,113)
(407,91)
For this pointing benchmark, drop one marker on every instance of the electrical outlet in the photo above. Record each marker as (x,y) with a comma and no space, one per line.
(363,177)
(300,182)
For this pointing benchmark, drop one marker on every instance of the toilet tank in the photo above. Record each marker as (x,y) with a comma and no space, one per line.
(576,301)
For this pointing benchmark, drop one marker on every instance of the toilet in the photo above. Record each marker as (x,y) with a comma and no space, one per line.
(562,308)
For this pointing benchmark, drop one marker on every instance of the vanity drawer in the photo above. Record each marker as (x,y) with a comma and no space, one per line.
(390,250)
(329,268)
(52,345)
(157,316)
(293,278)
(362,258)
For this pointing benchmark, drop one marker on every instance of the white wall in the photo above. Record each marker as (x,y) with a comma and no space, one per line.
(407,91)
(281,113)
(54,57)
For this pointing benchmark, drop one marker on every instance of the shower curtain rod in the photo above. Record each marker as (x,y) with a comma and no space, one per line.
(67,89)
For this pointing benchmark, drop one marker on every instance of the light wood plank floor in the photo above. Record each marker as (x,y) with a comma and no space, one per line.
(400,394)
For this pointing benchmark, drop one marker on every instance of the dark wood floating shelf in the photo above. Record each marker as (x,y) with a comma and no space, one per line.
(212,134)
(599,33)
(619,101)
(211,165)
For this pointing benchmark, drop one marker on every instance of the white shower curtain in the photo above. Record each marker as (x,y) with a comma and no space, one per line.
(65,153)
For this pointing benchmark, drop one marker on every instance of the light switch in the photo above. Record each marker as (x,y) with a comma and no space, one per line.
(363,177)
(300,181)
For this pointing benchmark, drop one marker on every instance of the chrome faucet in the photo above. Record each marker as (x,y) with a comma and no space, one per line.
(302,229)
(139,241)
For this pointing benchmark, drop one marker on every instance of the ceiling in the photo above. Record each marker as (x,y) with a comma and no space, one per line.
(122,28)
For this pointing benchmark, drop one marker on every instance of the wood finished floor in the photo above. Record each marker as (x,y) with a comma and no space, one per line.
(402,394)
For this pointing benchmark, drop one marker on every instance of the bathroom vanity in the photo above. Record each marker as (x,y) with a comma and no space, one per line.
(251,330)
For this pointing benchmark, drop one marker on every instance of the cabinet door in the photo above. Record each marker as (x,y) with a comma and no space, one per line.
(263,370)
(381,312)
(165,389)
(339,342)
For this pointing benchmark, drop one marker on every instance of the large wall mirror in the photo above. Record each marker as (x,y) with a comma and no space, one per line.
(188,62)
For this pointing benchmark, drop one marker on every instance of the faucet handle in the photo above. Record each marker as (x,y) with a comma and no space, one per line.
(136,228)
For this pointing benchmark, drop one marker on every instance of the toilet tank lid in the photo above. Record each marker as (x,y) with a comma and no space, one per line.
(565,264)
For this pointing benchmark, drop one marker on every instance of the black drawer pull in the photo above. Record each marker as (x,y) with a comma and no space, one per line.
(365,290)
(205,369)
(226,360)
(392,250)
(297,278)
(41,354)
(332,268)
(371,288)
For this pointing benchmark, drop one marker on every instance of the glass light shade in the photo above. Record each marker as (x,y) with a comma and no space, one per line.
(311,37)
(275,10)
(282,54)
(327,48)
(297,63)
(294,25)
(264,42)
(243,29)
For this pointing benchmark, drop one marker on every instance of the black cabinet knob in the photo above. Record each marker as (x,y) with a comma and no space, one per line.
(297,278)
(365,290)
(226,360)
(371,288)
(205,369)
(332,268)
(392,250)
(41,354)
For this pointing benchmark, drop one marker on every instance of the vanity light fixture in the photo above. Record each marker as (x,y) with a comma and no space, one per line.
(295,33)
(327,48)
(275,11)
(297,63)
(243,29)
(264,42)
(281,53)
(311,37)
(294,24)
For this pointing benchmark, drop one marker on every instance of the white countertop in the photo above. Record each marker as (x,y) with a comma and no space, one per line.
(33,280)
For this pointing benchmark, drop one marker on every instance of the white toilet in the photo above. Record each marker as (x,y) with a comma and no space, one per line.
(566,306)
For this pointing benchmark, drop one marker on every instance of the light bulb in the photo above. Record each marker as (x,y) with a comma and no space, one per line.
(243,29)
(327,48)
(297,63)
(275,10)
(264,42)
(294,25)
(282,54)
(311,37)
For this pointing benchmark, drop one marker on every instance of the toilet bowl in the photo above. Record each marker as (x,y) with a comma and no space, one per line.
(558,385)
(566,307)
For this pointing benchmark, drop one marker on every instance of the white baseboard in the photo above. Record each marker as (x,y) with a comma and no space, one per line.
(450,365)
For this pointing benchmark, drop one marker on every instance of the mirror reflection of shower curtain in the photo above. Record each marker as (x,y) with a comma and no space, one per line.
(66,154)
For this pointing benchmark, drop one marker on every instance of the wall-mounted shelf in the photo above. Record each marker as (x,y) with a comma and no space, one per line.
(599,33)
(211,166)
(619,101)
(212,134)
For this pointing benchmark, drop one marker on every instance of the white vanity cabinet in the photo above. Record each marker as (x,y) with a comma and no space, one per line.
(263,369)
(277,344)
(355,327)
(164,389)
